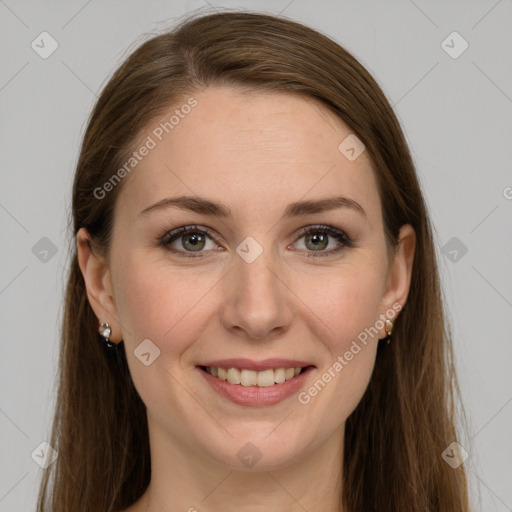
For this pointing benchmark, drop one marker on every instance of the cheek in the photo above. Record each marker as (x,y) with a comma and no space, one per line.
(348,312)
(167,308)
(350,305)
(161,303)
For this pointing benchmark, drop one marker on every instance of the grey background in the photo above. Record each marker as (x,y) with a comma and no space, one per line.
(456,113)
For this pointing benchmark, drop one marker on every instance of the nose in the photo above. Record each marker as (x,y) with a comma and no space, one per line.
(257,300)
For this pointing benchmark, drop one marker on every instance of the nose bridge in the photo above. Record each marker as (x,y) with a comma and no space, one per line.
(257,280)
(256,299)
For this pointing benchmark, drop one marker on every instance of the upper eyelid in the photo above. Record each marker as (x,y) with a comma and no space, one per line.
(184,230)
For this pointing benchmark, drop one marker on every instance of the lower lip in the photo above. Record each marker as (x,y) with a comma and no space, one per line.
(255,396)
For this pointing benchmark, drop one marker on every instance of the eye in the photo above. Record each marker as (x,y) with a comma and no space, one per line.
(195,240)
(316,240)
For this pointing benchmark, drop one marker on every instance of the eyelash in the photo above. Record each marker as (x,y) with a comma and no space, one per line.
(340,236)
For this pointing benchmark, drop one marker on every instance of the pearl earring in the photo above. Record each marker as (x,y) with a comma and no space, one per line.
(105,331)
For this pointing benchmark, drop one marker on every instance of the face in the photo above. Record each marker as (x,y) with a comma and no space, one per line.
(279,275)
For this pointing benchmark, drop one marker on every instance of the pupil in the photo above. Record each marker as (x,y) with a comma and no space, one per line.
(194,240)
(318,239)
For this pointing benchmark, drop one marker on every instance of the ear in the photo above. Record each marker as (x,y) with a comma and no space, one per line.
(400,271)
(98,283)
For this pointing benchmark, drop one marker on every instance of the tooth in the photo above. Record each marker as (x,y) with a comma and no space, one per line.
(248,378)
(279,375)
(289,373)
(266,378)
(234,376)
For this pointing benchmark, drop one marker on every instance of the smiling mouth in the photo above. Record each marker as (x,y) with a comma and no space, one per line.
(252,378)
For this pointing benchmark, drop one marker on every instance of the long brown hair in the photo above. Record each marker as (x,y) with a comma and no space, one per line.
(395,437)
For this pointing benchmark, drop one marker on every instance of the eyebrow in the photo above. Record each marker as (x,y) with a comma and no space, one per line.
(207,207)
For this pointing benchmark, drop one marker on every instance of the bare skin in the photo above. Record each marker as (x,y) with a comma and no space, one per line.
(256,153)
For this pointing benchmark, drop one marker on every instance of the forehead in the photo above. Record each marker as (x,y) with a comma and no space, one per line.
(246,148)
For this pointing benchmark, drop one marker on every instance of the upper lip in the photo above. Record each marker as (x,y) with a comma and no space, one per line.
(250,364)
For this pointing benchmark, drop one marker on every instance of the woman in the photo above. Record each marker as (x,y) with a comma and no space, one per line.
(253,314)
